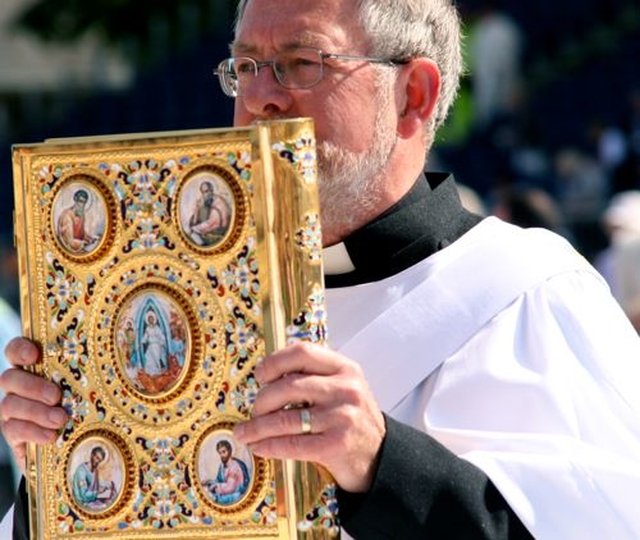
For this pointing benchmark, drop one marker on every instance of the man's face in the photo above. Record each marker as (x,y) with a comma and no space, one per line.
(354,121)
(207,193)
(96,459)
(224,454)
(80,206)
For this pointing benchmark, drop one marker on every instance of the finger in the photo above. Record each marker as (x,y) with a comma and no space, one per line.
(30,386)
(301,357)
(293,389)
(19,432)
(297,447)
(352,472)
(342,442)
(20,409)
(278,424)
(314,447)
(22,352)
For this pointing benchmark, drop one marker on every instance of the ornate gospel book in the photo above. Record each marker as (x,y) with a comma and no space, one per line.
(156,270)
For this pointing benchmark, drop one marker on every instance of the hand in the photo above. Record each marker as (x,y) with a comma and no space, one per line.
(347,426)
(28,410)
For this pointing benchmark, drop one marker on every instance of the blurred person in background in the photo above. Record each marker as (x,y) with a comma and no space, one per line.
(582,190)
(528,206)
(619,263)
(495,50)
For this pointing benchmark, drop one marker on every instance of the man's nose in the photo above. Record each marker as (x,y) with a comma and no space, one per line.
(264,96)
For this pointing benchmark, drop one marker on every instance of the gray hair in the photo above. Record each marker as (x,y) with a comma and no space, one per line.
(404,29)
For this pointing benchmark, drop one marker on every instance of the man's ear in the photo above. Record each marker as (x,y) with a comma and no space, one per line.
(419,91)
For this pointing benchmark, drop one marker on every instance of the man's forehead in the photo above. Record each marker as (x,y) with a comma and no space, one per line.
(268,27)
(306,38)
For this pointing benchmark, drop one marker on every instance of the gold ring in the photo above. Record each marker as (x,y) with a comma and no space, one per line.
(305,421)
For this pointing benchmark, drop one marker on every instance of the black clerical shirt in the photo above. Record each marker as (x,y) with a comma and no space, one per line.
(425,220)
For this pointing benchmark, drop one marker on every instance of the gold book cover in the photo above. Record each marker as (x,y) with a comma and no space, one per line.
(156,270)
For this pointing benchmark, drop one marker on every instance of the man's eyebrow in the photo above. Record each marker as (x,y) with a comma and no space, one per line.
(236,47)
(306,39)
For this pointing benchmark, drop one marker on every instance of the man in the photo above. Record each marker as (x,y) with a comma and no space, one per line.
(71,224)
(480,380)
(211,217)
(619,261)
(87,488)
(232,479)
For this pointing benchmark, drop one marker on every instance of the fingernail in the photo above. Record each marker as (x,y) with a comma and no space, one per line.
(25,353)
(257,373)
(57,417)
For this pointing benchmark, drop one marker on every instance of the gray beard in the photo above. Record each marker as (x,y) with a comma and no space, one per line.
(351,185)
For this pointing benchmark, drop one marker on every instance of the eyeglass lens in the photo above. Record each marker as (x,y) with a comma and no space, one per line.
(300,68)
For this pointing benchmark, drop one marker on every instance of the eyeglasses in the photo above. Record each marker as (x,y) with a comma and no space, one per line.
(295,69)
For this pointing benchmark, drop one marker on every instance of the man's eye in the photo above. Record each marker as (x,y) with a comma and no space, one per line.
(243,67)
(302,61)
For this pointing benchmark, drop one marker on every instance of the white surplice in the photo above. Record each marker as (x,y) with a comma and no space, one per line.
(538,386)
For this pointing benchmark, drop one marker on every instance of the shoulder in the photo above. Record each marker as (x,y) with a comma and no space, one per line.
(534,250)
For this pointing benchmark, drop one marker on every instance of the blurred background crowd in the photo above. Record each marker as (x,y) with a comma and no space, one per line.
(546,131)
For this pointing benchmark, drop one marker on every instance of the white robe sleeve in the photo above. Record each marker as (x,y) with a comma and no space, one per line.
(545,399)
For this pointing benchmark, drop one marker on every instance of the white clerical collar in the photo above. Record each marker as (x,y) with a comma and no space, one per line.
(336,260)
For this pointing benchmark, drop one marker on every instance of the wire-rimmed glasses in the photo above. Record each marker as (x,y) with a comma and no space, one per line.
(294,69)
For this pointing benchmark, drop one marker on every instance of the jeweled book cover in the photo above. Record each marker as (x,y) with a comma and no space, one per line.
(156,270)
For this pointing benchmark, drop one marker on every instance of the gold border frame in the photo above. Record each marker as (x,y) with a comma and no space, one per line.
(99,186)
(129,478)
(195,343)
(240,212)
